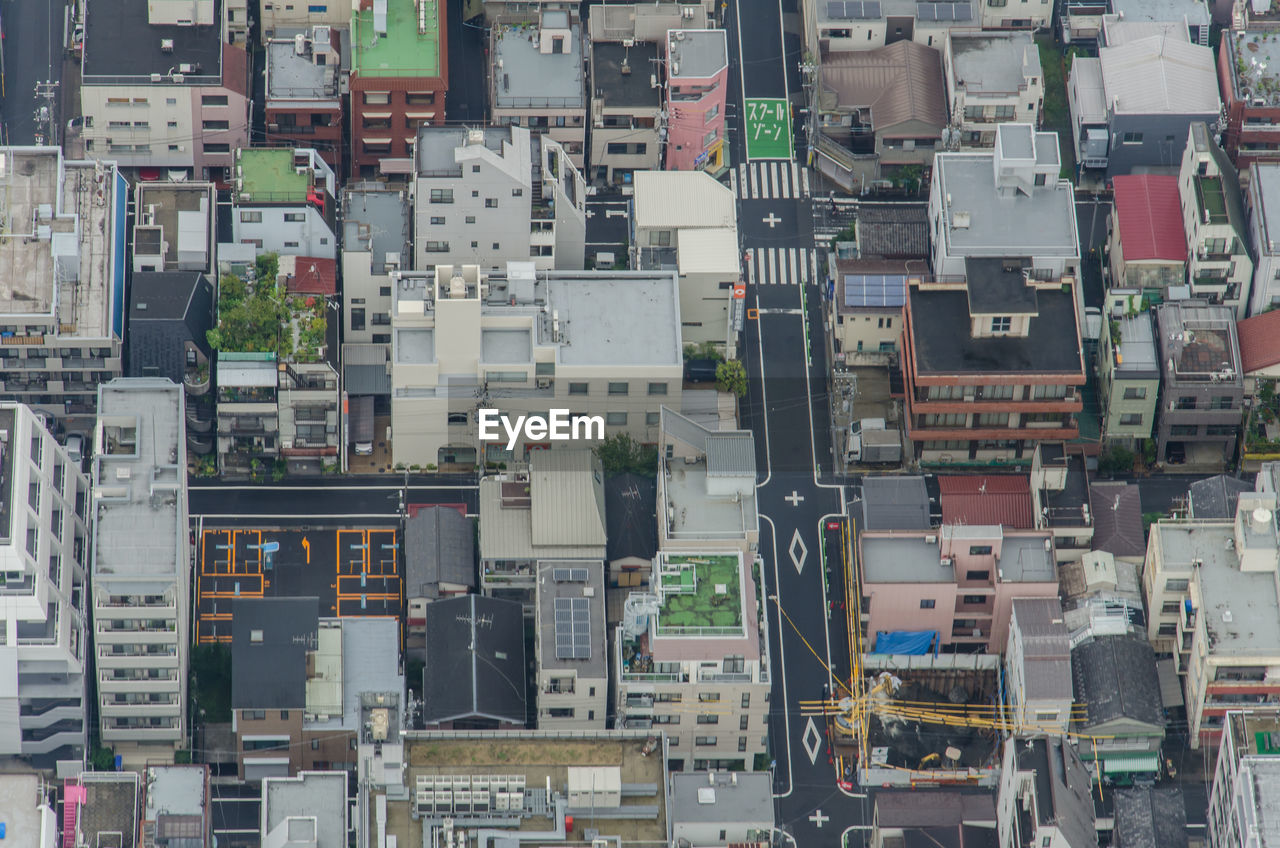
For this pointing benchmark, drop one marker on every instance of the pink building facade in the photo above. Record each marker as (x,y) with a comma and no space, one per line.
(959,580)
(697,69)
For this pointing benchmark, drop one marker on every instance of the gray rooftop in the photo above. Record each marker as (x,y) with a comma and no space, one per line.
(1264,189)
(1045,648)
(699,53)
(110,807)
(1199,340)
(994,62)
(894,503)
(416,346)
(726,797)
(376,220)
(571,617)
(140,481)
(321,796)
(1117,519)
(909,558)
(1147,817)
(367,666)
(162,203)
(618,320)
(437,146)
(1139,358)
(19,796)
(530,79)
(176,791)
(1195,12)
(291,77)
(440,547)
(475,660)
(620,75)
(506,347)
(1217,496)
(270,638)
(1115,677)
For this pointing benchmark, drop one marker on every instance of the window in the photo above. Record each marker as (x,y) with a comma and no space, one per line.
(315,744)
(491,203)
(457,418)
(617,388)
(735,665)
(495,246)
(710,138)
(254,715)
(517,192)
(713,111)
(1131,419)
(377,98)
(666,719)
(284,715)
(1001,324)
(651,419)
(561,712)
(291,244)
(979,550)
(475,169)
(704,741)
(928,603)
(1132,138)
(216,125)
(471,219)
(357,318)
(1170,629)
(660,238)
(213,100)
(441,195)
(577,388)
(217,148)
(1048,392)
(615,419)
(1135,393)
(1184,430)
(746,700)
(974,599)
(978,574)
(1185,402)
(1177,584)
(384,291)
(1170,608)
(437,247)
(708,719)
(251,217)
(992,419)
(708,697)
(295,217)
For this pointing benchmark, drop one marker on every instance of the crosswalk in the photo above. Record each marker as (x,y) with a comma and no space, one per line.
(783,266)
(770,180)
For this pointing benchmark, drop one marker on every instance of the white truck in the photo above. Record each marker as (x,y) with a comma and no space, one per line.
(872,442)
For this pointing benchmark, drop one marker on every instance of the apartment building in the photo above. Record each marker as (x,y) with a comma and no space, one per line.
(603,343)
(845,27)
(1210,588)
(1044,796)
(1202,394)
(645,22)
(283,20)
(303,93)
(1001,14)
(626,104)
(1247,74)
(1219,264)
(375,243)
(1262,199)
(692,657)
(175,227)
(571,650)
(697,73)
(62,308)
(1146,243)
(310,808)
(176,806)
(958,581)
(537,79)
(866,317)
(162,87)
(1128,378)
(1244,788)
(978,200)
(399,75)
(284,203)
(698,238)
(491,196)
(1083,21)
(992,78)
(1038,667)
(141,568)
(44,534)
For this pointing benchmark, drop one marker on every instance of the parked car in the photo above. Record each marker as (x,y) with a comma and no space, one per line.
(75,449)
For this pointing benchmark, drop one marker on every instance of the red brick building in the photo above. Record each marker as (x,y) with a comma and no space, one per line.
(1249,78)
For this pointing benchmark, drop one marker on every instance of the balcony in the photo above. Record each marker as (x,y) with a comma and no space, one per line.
(196,381)
(108,685)
(725,677)
(639,701)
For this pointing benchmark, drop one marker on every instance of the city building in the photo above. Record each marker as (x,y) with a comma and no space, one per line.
(475,675)
(1060,499)
(307,810)
(894,502)
(303,96)
(487,197)
(999,14)
(626,106)
(706,487)
(284,202)
(722,808)
(1131,107)
(697,84)
(375,242)
(879,111)
(141,568)
(62,308)
(506,797)
(866,314)
(697,238)
(553,511)
(107,807)
(44,534)
(603,344)
(1044,796)
(640,22)
(176,227)
(1115,678)
(1038,667)
(1243,792)
(1210,588)
(958,581)
(570,652)
(1128,378)
(169,314)
(631,525)
(692,656)
(1262,200)
(439,559)
(1005,202)
(892,231)
(28,807)
(949,818)
(399,75)
(1259,351)
(862,26)
(1216,497)
(991,388)
(992,77)
(1219,264)
(1146,243)
(1250,94)
(537,79)
(1083,20)
(176,806)
(1150,816)
(1117,521)
(1202,385)
(987,499)
(161,88)
(283,20)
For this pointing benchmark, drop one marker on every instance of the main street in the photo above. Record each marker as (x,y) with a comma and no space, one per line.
(325,500)
(32,50)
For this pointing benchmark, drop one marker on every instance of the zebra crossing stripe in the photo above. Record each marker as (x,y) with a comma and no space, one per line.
(804,182)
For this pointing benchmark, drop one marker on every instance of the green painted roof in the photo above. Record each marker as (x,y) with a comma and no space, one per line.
(1130,762)
(404,51)
(269,175)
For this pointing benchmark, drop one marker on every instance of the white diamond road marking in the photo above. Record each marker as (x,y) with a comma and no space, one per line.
(798,559)
(812,741)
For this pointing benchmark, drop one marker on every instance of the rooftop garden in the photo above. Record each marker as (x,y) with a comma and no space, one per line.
(259,316)
(1262,433)
(700,593)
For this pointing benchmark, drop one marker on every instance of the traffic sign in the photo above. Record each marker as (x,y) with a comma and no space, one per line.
(768,128)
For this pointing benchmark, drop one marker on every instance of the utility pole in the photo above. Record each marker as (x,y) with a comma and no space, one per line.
(46,120)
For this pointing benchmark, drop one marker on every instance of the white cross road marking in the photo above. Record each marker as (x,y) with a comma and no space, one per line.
(812,741)
(795,498)
(773,220)
(818,818)
(798,552)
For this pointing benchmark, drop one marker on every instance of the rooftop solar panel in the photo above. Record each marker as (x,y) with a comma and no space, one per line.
(875,290)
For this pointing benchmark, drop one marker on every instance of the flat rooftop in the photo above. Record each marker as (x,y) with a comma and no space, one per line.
(571,617)
(321,795)
(699,593)
(1257,52)
(943,344)
(119,42)
(168,200)
(506,347)
(702,515)
(409,48)
(19,795)
(294,77)
(1138,358)
(437,147)
(268,174)
(140,476)
(631,319)
(994,62)
(416,346)
(1195,11)
(1255,733)
(1265,190)
(1045,220)
(376,221)
(620,75)
(39,184)
(531,79)
(1264,774)
(1200,340)
(110,807)
(699,53)
(998,287)
(890,557)
(177,791)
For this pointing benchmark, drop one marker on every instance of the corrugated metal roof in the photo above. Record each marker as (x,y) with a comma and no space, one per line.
(506,532)
(364,354)
(731,454)
(566,498)
(1150,217)
(708,251)
(1159,74)
(899,83)
(1090,96)
(674,199)
(1003,499)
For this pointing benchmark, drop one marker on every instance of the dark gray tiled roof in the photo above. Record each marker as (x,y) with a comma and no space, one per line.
(1150,818)
(893,231)
(1117,519)
(270,672)
(1115,678)
(475,661)
(1216,497)
(631,517)
(894,503)
(167,309)
(440,547)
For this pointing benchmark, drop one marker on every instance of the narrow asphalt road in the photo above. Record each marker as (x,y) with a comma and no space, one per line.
(33,49)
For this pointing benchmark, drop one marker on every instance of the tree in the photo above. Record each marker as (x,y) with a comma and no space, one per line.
(705,350)
(731,376)
(908,177)
(620,454)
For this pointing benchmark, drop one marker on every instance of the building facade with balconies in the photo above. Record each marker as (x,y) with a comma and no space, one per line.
(697,75)
(44,551)
(1243,791)
(141,568)
(992,77)
(1250,95)
(626,106)
(289,18)
(691,657)
(284,203)
(1128,378)
(1219,262)
(304,97)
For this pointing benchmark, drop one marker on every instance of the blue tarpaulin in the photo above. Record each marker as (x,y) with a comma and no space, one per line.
(914,642)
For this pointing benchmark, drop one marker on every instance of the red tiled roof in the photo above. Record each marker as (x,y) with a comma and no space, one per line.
(1150,217)
(1259,341)
(312,275)
(991,499)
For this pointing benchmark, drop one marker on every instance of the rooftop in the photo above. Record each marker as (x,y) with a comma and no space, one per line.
(176,791)
(909,557)
(1115,677)
(696,54)
(701,595)
(64,276)
(475,661)
(618,320)
(409,46)
(296,77)
(704,201)
(1252,58)
(440,150)
(894,503)
(722,797)
(571,629)
(1216,496)
(1150,217)
(999,287)
(893,230)
(1147,817)
(376,221)
(994,62)
(140,476)
(185,218)
(1003,499)
(440,547)
(269,174)
(944,345)
(1117,519)
(875,283)
(270,638)
(1259,338)
(526,78)
(1264,191)
(1160,74)
(1195,12)
(631,516)
(620,75)
(1198,343)
(120,42)
(110,808)
(20,799)
(321,796)
(1136,357)
(897,83)
(941,11)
